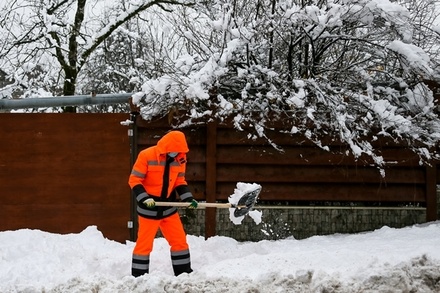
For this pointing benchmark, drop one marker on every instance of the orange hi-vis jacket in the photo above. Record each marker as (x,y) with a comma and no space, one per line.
(147,175)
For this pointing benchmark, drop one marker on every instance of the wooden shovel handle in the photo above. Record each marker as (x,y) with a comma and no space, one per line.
(186,204)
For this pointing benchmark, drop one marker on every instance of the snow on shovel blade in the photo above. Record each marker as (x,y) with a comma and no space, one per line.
(246,202)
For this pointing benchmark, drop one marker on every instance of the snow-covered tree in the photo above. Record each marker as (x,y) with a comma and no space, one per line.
(46,43)
(346,70)
(425,18)
(132,55)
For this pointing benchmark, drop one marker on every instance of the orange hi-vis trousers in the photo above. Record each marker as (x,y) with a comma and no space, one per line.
(172,229)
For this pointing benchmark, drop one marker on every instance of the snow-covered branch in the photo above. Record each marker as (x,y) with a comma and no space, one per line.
(347,71)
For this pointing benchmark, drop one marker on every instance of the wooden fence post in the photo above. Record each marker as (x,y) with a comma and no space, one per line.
(431,193)
(133,134)
(211,178)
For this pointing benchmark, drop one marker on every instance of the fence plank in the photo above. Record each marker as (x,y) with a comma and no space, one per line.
(307,155)
(274,191)
(321,174)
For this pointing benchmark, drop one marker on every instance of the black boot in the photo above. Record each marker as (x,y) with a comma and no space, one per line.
(181,262)
(140,265)
(180,269)
(137,273)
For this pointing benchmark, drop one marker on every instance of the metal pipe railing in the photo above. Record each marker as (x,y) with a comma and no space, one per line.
(63,101)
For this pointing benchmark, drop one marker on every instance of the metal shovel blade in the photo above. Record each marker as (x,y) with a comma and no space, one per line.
(246,202)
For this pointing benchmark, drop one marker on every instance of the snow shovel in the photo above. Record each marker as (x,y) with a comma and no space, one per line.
(244,205)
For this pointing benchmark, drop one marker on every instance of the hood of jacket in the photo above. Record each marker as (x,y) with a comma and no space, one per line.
(173,141)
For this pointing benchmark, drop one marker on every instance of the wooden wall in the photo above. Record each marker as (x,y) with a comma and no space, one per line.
(63,172)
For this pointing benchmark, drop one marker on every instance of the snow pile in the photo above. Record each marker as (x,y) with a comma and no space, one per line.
(385,260)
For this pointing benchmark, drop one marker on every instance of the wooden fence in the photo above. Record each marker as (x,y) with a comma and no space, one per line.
(221,156)
(63,172)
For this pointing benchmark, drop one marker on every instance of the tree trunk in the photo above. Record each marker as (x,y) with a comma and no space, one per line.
(69,88)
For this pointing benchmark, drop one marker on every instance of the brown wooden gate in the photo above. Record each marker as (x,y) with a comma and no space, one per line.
(63,172)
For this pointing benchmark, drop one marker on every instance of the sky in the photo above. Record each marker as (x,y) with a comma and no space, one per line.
(384,260)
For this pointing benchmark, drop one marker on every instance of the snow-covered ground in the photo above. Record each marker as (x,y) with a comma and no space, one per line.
(385,260)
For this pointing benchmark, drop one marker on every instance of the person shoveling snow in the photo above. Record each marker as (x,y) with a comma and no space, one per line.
(156,178)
